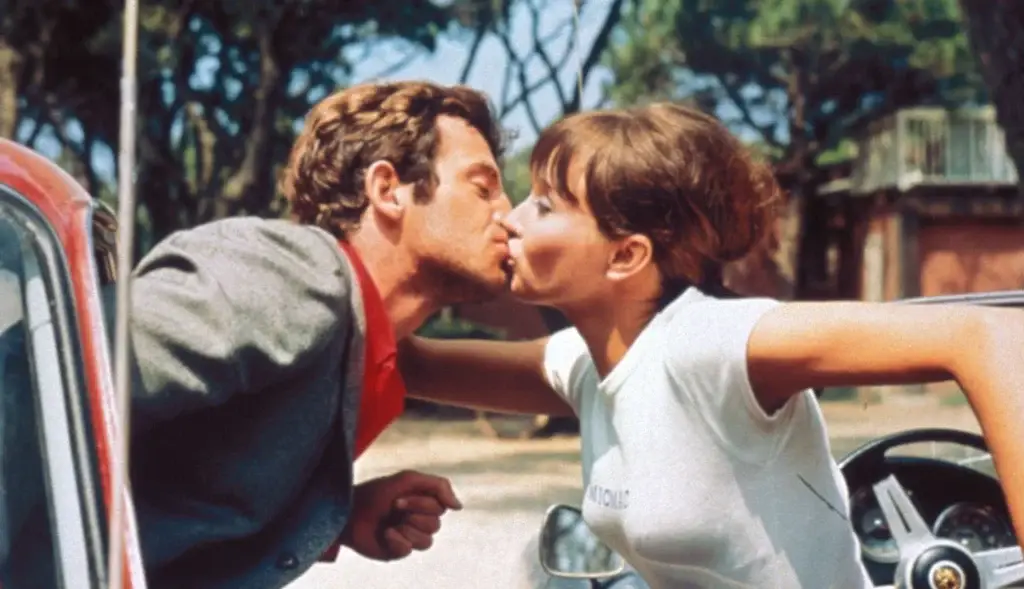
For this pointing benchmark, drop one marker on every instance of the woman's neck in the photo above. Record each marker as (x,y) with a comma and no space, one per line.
(610,329)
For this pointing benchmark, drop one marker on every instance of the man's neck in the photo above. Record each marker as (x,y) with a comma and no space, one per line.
(394,274)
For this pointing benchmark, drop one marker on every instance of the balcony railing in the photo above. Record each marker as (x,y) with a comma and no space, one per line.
(932,146)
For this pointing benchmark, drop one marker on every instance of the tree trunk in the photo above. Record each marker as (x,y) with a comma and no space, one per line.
(996,33)
(252,182)
(10,69)
(812,279)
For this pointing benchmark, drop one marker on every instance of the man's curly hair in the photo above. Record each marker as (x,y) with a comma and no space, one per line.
(352,128)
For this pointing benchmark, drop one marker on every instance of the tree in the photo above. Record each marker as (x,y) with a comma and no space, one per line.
(799,76)
(39,43)
(221,87)
(555,60)
(996,33)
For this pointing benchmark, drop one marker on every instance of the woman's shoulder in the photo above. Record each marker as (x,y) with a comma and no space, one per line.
(566,361)
(713,308)
(565,350)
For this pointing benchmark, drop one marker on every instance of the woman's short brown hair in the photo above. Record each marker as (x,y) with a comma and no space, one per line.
(666,171)
(352,128)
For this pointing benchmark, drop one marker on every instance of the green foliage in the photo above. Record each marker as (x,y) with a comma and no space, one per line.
(516,175)
(221,86)
(443,327)
(644,56)
(803,74)
(800,78)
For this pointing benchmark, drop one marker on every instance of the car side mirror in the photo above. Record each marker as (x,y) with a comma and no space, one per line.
(568,548)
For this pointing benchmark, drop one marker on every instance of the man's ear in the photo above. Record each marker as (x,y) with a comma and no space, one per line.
(381,185)
(629,256)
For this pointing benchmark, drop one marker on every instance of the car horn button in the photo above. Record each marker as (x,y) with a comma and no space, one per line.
(945,567)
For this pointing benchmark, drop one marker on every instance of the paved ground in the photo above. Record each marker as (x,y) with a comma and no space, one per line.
(507,484)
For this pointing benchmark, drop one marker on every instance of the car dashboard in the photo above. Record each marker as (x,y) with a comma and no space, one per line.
(957,502)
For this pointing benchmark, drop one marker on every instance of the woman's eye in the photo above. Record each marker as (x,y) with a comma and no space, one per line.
(542,204)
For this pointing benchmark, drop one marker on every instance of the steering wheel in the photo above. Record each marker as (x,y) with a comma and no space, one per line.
(927,562)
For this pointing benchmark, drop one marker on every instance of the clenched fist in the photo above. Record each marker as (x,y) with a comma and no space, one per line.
(394,515)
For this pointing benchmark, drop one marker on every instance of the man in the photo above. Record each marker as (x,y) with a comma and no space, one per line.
(265,349)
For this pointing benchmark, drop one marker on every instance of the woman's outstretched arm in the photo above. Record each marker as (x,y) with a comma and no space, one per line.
(802,345)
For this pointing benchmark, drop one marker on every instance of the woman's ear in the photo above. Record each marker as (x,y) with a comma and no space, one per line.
(381,185)
(629,256)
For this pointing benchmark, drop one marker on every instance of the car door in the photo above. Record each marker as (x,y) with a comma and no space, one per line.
(56,393)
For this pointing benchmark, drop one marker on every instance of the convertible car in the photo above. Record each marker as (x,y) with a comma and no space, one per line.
(924,522)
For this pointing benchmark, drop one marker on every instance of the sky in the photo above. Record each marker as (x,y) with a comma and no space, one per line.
(445,64)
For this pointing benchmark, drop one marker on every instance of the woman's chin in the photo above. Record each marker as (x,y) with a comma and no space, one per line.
(522,292)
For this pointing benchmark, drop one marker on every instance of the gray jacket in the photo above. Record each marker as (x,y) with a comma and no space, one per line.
(248,345)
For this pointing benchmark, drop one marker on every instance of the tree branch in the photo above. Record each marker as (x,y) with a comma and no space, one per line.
(37,127)
(256,158)
(474,47)
(596,49)
(733,93)
(516,62)
(526,92)
(391,69)
(538,48)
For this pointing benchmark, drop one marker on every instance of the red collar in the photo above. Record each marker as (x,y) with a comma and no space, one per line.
(383,398)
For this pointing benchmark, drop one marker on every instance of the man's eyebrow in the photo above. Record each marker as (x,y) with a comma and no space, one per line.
(483,169)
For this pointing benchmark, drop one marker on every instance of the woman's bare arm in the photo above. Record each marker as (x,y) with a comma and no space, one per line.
(479,374)
(802,345)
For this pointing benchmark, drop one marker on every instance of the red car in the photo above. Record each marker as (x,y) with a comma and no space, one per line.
(923,522)
(57,413)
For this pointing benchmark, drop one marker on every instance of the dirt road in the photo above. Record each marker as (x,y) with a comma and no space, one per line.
(507,484)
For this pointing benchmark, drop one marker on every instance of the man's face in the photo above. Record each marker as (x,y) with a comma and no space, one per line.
(455,234)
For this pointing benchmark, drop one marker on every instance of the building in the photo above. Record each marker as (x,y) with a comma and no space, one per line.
(932,207)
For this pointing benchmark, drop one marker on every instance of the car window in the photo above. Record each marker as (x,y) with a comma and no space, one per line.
(26,541)
(44,541)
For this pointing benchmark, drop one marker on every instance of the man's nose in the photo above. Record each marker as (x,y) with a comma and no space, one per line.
(502,204)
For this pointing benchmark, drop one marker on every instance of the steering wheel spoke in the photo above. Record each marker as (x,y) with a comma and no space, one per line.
(1001,567)
(906,525)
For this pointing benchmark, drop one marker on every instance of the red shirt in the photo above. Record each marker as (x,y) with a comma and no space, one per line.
(383,396)
(383,388)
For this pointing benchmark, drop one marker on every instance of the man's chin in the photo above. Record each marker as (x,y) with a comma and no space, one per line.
(451,284)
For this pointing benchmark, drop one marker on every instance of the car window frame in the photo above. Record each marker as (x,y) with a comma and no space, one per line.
(62,399)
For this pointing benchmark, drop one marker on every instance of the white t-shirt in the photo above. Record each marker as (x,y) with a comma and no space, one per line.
(687,477)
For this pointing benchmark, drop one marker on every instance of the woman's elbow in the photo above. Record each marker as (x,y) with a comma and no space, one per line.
(990,340)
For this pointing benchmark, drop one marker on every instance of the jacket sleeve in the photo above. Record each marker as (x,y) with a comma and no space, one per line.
(232,307)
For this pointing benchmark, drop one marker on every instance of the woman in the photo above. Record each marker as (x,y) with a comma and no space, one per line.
(706,460)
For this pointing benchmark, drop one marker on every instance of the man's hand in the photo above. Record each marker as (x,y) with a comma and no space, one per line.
(394,515)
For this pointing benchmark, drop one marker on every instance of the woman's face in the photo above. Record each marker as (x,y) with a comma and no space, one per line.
(558,256)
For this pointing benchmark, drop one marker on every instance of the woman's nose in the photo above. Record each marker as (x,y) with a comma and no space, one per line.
(510,222)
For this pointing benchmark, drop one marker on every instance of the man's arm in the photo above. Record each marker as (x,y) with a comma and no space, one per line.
(495,376)
(229,308)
